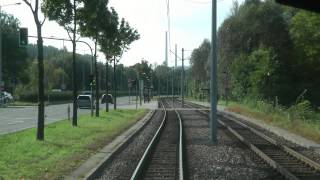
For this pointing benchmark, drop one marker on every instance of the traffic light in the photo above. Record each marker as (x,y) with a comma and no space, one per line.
(91,78)
(23,38)
(312,5)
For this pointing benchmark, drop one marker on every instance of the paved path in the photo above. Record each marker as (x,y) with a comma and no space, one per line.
(19,118)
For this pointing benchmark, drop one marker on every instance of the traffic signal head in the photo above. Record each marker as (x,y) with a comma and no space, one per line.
(312,5)
(23,38)
(91,78)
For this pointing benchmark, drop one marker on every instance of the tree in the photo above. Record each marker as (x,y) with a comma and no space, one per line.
(199,65)
(35,11)
(256,27)
(65,13)
(14,58)
(95,18)
(304,30)
(114,46)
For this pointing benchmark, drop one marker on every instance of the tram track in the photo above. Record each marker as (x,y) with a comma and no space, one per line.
(286,161)
(163,158)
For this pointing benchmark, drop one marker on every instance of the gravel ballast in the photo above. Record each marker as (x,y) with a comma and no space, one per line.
(124,163)
(229,159)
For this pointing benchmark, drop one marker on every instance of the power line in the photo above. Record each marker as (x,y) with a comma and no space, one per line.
(189,58)
(202,2)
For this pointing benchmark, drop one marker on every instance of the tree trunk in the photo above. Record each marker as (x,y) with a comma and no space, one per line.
(40,128)
(107,87)
(97,78)
(74,72)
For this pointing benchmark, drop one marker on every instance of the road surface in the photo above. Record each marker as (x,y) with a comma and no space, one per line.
(18,118)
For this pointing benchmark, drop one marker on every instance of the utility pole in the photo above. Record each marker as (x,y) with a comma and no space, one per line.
(158,86)
(182,79)
(173,73)
(213,89)
(166,55)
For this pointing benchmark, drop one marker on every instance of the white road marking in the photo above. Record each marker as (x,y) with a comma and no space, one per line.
(25,118)
(15,122)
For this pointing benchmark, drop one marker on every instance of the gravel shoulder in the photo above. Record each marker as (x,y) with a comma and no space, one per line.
(229,159)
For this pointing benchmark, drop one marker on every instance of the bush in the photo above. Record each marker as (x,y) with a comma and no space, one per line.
(302,110)
(53,96)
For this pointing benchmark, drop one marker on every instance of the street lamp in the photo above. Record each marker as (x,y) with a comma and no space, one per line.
(1,82)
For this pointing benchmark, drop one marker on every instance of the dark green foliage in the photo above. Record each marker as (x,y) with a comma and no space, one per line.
(266,51)
(269,51)
(14,59)
(200,68)
(52,96)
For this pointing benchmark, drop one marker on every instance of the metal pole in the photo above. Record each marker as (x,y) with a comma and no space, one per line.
(137,94)
(213,89)
(140,92)
(166,55)
(115,84)
(91,84)
(182,79)
(172,87)
(159,86)
(173,75)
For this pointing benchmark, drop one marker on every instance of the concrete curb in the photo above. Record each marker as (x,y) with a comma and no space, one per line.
(93,166)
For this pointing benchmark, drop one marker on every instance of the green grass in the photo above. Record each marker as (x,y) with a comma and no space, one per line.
(65,147)
(280,117)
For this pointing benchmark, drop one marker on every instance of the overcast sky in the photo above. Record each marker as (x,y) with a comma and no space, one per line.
(190,25)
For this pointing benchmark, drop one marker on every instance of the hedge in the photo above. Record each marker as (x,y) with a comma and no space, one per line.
(60,96)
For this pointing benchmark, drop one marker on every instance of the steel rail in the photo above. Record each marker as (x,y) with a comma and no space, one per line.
(139,171)
(260,153)
(181,148)
(287,149)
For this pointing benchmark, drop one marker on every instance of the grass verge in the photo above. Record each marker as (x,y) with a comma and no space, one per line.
(65,147)
(279,117)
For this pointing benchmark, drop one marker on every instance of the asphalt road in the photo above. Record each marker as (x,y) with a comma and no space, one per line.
(18,118)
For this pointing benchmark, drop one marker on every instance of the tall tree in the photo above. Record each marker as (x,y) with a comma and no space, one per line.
(39,23)
(108,46)
(95,18)
(114,46)
(14,58)
(65,13)
(199,64)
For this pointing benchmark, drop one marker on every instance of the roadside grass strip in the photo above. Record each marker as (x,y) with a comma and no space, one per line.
(65,147)
(308,128)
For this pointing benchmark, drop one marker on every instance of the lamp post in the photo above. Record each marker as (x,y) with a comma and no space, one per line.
(1,82)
